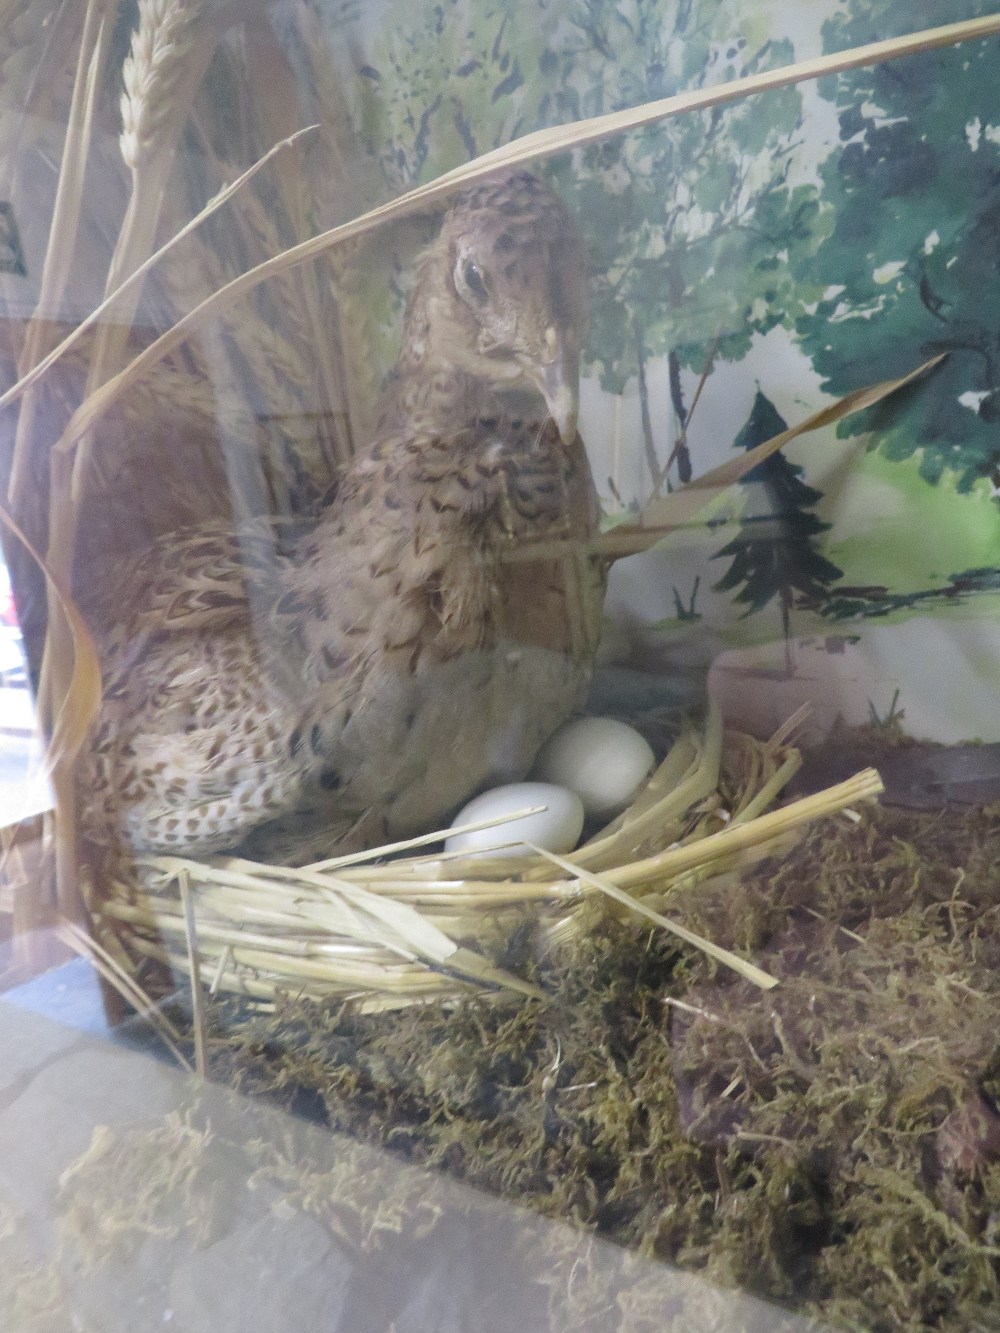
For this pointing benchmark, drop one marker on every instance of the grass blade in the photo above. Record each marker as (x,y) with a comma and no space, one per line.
(746,970)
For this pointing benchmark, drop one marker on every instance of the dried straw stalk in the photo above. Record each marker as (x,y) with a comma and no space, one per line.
(69,727)
(94,43)
(34,43)
(171,50)
(170,53)
(167,63)
(118,977)
(112,308)
(62,637)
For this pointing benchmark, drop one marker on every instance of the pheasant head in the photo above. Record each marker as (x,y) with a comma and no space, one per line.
(498,309)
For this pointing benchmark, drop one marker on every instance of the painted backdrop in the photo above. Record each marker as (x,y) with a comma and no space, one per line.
(750,264)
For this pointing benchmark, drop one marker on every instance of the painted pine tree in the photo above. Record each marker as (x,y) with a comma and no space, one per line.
(774,554)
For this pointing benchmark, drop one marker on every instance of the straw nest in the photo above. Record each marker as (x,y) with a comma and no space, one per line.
(389,928)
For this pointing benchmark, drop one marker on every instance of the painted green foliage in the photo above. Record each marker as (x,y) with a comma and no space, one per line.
(912,260)
(689,224)
(774,554)
(449,79)
(702,230)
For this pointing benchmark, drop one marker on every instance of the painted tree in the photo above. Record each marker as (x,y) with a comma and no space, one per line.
(690,222)
(450,79)
(774,554)
(911,264)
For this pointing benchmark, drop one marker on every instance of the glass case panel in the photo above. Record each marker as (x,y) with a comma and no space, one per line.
(497,762)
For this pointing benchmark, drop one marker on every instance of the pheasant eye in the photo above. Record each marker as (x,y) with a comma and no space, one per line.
(472,277)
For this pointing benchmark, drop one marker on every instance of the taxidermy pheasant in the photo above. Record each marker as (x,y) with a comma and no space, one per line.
(358,682)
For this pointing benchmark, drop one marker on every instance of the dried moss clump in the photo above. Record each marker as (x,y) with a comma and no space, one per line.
(135,1183)
(833,1145)
(32,1291)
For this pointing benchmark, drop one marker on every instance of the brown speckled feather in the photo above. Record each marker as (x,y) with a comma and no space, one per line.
(358,679)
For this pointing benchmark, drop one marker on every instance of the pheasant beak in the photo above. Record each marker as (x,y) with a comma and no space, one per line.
(559,382)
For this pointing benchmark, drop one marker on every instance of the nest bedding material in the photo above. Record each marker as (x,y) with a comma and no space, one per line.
(387,932)
(833,1145)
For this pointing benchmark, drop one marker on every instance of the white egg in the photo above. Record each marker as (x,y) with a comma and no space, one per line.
(602,760)
(557,827)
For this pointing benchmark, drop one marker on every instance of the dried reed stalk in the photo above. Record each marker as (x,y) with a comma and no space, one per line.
(168,60)
(110,309)
(748,971)
(37,46)
(692,502)
(118,977)
(62,637)
(171,50)
(70,725)
(689,503)
(94,44)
